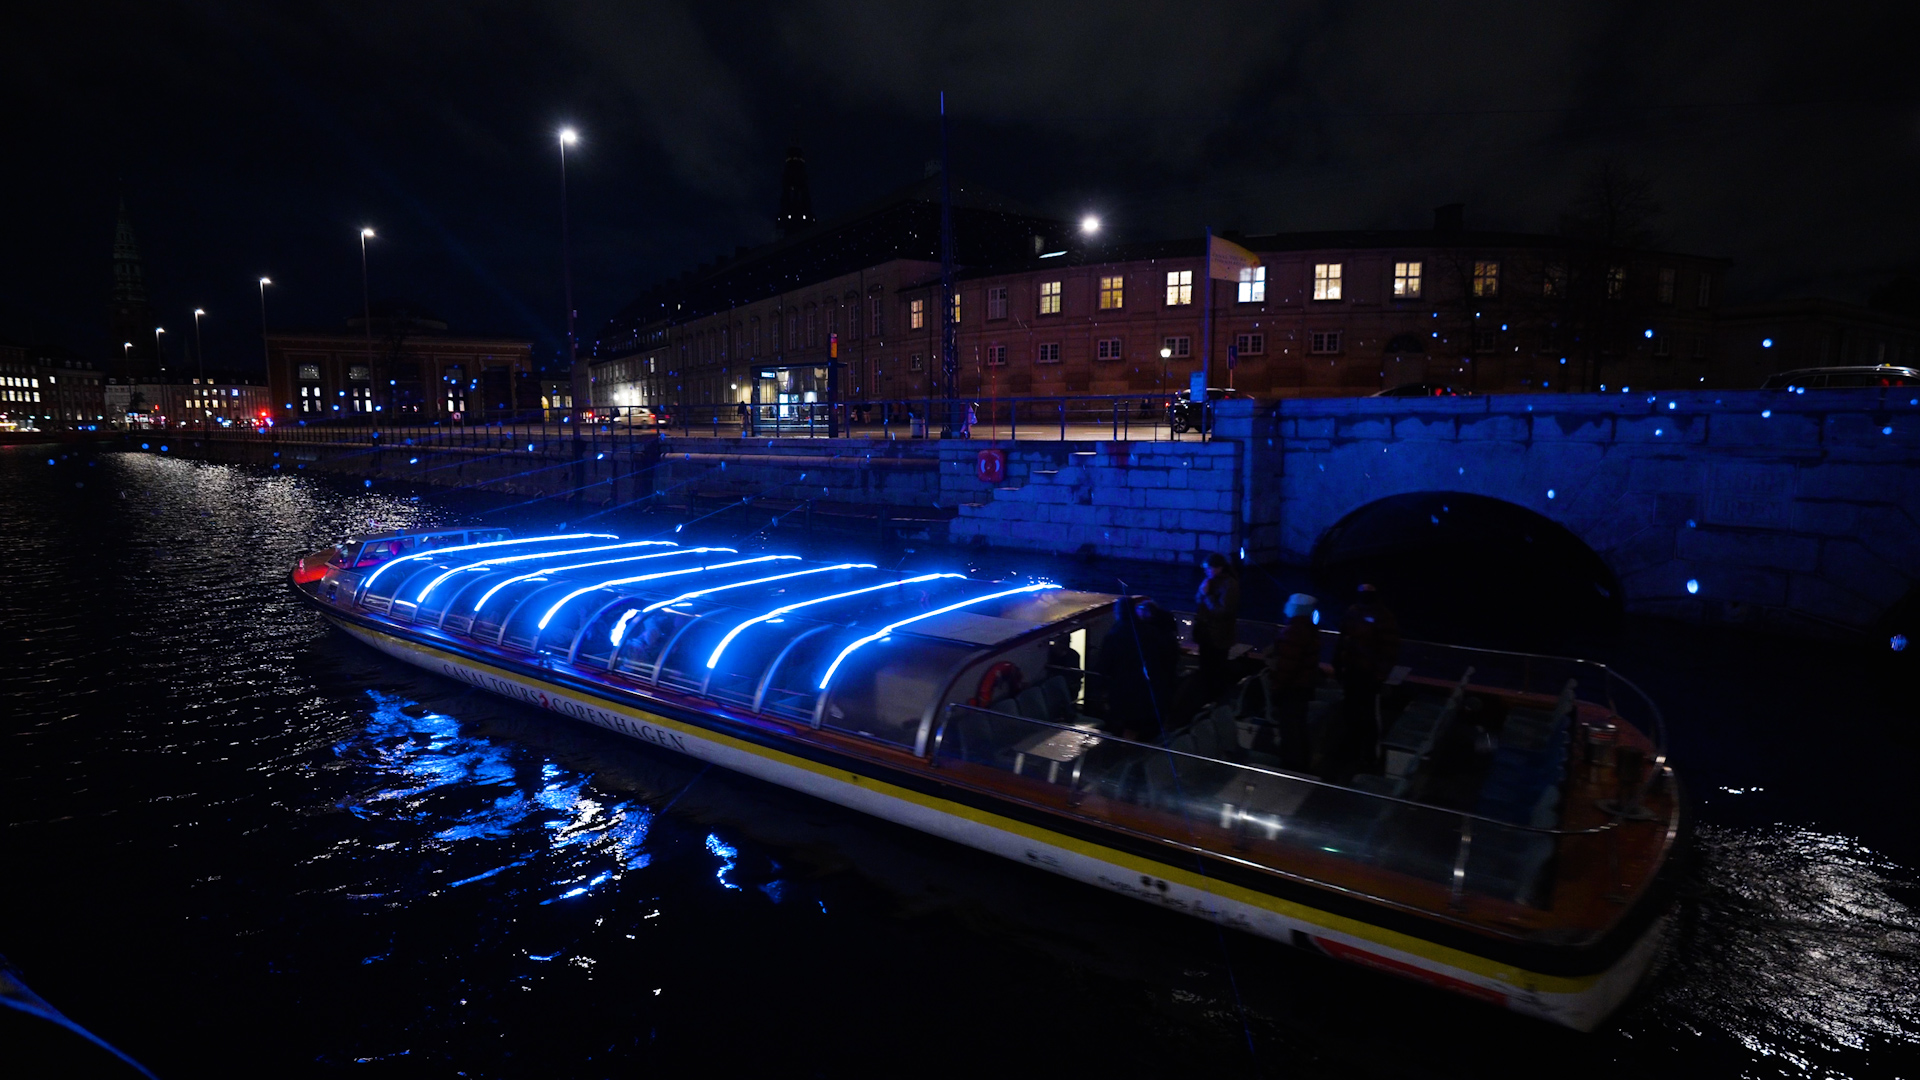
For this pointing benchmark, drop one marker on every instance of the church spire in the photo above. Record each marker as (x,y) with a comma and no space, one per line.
(796,204)
(130,316)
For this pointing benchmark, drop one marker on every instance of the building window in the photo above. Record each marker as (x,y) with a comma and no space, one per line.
(1555,283)
(879,320)
(1326,281)
(1178,346)
(813,326)
(1616,282)
(1108,349)
(1049,298)
(997,302)
(916,314)
(1113,292)
(955,311)
(1250,344)
(359,373)
(1179,288)
(996,356)
(916,362)
(1704,292)
(362,399)
(1660,346)
(1049,353)
(1253,285)
(1485,340)
(1406,280)
(310,372)
(1700,347)
(1486,278)
(1667,276)
(1326,341)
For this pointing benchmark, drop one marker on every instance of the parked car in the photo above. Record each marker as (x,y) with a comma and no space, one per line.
(1421,389)
(1832,377)
(1184,415)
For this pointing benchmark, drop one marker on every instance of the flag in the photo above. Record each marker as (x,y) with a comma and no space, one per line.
(1226,259)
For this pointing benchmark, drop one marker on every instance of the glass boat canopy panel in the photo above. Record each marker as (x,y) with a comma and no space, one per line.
(844,645)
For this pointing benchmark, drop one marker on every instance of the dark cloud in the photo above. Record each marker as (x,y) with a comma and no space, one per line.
(255,139)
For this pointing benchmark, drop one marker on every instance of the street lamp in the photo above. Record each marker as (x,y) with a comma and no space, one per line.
(264,357)
(199,347)
(157,331)
(1090,224)
(1166,358)
(568,137)
(366,312)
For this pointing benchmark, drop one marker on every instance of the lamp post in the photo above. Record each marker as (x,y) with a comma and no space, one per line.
(568,137)
(157,331)
(1166,357)
(199,347)
(366,315)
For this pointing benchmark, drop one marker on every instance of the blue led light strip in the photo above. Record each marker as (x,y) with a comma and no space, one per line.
(563,601)
(697,593)
(789,608)
(488,595)
(488,564)
(436,552)
(891,627)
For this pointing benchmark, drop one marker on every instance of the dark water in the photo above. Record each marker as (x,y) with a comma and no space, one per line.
(236,841)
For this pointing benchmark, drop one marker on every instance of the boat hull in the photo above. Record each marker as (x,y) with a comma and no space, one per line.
(1579,1001)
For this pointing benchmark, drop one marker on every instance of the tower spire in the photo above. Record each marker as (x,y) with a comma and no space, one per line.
(130,314)
(796,203)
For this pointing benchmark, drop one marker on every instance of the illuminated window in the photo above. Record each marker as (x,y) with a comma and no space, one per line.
(1253,285)
(1108,349)
(310,372)
(1555,283)
(996,356)
(956,309)
(1486,278)
(1250,344)
(1049,353)
(916,314)
(1179,346)
(997,302)
(1326,341)
(359,373)
(1326,281)
(1113,293)
(1616,282)
(1179,287)
(1049,298)
(1667,276)
(1406,280)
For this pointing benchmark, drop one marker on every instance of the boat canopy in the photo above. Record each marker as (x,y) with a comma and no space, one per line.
(842,645)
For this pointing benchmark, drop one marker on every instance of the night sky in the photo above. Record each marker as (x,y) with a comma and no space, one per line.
(250,140)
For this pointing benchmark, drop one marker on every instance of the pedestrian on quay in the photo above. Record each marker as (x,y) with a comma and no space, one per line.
(1216,621)
(1363,659)
(1293,671)
(741,409)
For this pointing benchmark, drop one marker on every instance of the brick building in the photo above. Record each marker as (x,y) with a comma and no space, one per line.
(1757,340)
(51,389)
(411,368)
(1039,312)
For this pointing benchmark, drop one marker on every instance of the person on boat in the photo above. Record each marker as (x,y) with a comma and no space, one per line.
(1064,661)
(1216,621)
(1292,673)
(1363,658)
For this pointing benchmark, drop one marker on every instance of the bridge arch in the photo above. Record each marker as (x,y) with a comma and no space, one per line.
(1477,558)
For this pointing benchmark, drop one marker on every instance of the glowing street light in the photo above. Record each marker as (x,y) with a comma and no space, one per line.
(568,137)
(1090,224)
(264,282)
(157,331)
(199,347)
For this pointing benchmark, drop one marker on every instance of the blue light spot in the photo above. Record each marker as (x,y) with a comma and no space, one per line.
(1693,586)
(1316,616)
(1673,404)
(413,461)
(727,854)
(49,461)
(529,447)
(1766,343)
(1899,643)
(1648,334)
(1658,431)
(1888,430)
(1549,493)
(163,449)
(143,446)
(1563,360)
(1691,525)
(1764,413)
(366,483)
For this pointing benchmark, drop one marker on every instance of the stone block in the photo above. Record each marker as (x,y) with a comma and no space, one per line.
(1854,567)
(1757,430)
(1211,480)
(1659,581)
(1809,594)
(1499,427)
(1759,549)
(1315,427)
(1424,427)
(1147,478)
(1739,585)
(1112,496)
(1664,474)
(1856,482)
(1572,427)
(1366,428)
(1651,546)
(1751,495)
(1822,518)
(1171,499)
(1662,428)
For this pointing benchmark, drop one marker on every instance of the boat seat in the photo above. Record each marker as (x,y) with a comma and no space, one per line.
(1419,728)
(1523,784)
(1031,703)
(1059,701)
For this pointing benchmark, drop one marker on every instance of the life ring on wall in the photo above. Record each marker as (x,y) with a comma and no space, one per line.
(1005,671)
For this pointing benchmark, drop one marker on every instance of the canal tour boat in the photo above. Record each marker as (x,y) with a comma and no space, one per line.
(1515,848)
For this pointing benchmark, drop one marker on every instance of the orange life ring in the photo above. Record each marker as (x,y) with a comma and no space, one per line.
(990,682)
